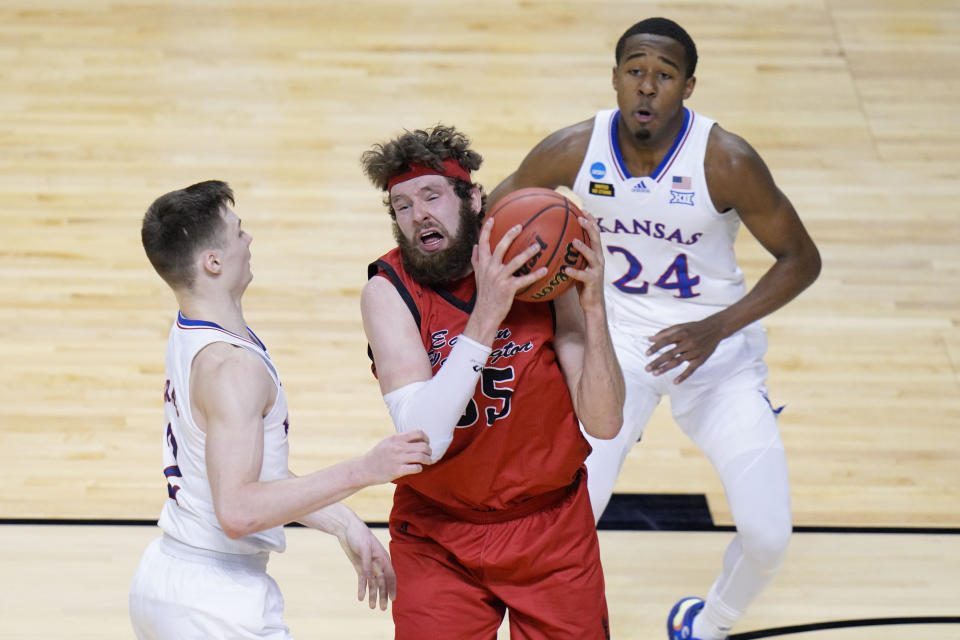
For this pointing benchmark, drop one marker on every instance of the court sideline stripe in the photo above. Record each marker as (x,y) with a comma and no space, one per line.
(110,522)
(841,624)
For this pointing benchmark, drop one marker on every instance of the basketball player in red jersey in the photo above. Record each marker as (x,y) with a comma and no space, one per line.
(502,519)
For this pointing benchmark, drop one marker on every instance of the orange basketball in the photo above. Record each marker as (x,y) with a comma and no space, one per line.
(550,220)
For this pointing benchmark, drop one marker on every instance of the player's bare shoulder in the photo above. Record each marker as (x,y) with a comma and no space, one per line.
(379,297)
(219,354)
(730,164)
(728,151)
(385,315)
(222,369)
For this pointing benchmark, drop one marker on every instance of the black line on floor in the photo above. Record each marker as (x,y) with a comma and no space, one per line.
(624,512)
(109,522)
(690,512)
(841,624)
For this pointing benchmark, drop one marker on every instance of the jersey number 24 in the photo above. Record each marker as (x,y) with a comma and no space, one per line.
(676,277)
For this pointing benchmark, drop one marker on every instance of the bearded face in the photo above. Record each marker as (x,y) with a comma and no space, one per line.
(445,265)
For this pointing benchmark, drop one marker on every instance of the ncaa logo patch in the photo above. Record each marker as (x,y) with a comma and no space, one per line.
(598,170)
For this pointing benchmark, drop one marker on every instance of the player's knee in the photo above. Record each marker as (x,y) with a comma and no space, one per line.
(765,543)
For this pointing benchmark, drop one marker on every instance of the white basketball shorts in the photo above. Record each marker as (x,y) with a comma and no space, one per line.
(181,592)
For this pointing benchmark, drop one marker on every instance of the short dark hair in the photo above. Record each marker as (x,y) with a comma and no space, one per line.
(421,146)
(662,27)
(180,223)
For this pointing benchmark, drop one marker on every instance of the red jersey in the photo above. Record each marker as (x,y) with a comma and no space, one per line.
(518,437)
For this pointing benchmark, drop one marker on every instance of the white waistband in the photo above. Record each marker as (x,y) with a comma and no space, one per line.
(177,549)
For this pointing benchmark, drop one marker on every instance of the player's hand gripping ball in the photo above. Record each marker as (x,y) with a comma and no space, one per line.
(549,220)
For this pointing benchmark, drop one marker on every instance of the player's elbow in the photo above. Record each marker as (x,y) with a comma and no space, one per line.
(236,523)
(232,528)
(814,264)
(232,533)
(602,416)
(805,263)
(604,427)
(238,529)
(610,431)
(603,420)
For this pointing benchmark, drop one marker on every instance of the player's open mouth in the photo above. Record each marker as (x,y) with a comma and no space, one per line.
(431,240)
(642,115)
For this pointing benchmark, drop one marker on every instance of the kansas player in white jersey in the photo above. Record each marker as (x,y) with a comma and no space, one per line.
(665,239)
(189,514)
(670,189)
(225,447)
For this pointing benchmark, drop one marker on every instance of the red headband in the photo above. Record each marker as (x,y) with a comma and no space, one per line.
(451,169)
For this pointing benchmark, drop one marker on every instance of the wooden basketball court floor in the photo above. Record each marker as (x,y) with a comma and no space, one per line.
(106,105)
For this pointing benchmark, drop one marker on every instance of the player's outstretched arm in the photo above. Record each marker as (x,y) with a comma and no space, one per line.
(583,344)
(376,580)
(231,392)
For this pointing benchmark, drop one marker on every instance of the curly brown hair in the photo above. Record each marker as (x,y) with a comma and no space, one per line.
(422,146)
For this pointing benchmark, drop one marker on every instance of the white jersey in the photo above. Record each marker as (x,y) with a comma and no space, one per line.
(188,514)
(669,252)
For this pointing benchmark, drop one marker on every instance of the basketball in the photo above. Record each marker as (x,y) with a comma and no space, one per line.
(549,220)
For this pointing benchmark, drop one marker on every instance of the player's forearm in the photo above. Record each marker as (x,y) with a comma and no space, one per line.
(601,389)
(332,519)
(482,326)
(784,281)
(256,506)
(434,406)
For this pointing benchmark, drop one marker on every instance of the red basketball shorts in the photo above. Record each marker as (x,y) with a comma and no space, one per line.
(455,579)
